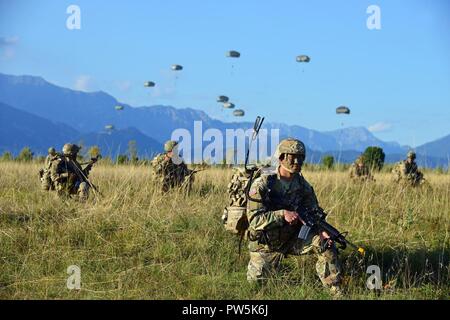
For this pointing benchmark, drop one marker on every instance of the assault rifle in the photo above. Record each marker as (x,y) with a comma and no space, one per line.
(81,173)
(315,219)
(187,178)
(194,171)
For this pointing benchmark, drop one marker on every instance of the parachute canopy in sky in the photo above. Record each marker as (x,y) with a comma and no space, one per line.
(177,67)
(149,84)
(222,99)
(228,105)
(342,110)
(238,113)
(109,127)
(303,58)
(233,54)
(118,108)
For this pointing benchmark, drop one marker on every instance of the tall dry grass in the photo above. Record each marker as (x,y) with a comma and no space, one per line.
(134,242)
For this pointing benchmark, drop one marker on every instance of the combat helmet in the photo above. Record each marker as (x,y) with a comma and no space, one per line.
(360,160)
(51,151)
(70,149)
(169,145)
(291,146)
(411,155)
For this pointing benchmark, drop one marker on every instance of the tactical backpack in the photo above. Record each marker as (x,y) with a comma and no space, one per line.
(234,216)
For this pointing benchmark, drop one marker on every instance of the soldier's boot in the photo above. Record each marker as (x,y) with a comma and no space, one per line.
(336,291)
(83,191)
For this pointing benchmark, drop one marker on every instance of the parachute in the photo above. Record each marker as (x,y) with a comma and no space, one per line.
(228,105)
(222,99)
(176,67)
(342,110)
(109,127)
(238,113)
(303,58)
(118,108)
(149,84)
(233,54)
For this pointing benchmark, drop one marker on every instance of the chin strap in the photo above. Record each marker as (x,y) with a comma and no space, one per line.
(286,168)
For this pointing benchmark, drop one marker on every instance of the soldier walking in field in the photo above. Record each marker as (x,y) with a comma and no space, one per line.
(67,175)
(170,170)
(274,222)
(44,173)
(359,171)
(406,171)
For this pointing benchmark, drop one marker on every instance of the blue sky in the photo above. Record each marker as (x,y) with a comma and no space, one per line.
(395,80)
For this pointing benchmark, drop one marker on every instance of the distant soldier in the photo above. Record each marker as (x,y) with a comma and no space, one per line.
(44,173)
(274,223)
(359,171)
(406,171)
(67,174)
(170,170)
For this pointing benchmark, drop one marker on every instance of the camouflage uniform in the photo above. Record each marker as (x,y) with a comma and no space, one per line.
(44,173)
(168,173)
(67,174)
(407,172)
(359,171)
(271,238)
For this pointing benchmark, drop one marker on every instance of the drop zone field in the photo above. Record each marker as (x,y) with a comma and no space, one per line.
(134,243)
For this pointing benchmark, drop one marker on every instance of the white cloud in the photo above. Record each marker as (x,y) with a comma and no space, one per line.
(379,127)
(83,83)
(7,46)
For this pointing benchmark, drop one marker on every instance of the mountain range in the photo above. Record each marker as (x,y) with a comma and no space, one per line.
(38,114)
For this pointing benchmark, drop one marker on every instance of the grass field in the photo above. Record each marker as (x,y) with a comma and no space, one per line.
(134,243)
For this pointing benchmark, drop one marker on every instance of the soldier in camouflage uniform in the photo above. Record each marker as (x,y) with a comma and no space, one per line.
(406,171)
(170,170)
(67,175)
(274,225)
(44,173)
(359,171)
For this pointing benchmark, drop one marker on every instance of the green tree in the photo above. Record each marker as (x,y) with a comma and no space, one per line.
(328,161)
(25,155)
(7,156)
(374,157)
(132,151)
(122,159)
(440,169)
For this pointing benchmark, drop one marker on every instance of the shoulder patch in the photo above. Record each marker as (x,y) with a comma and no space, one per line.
(252,192)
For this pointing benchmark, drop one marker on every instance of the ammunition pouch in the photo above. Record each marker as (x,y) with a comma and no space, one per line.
(259,236)
(235,219)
